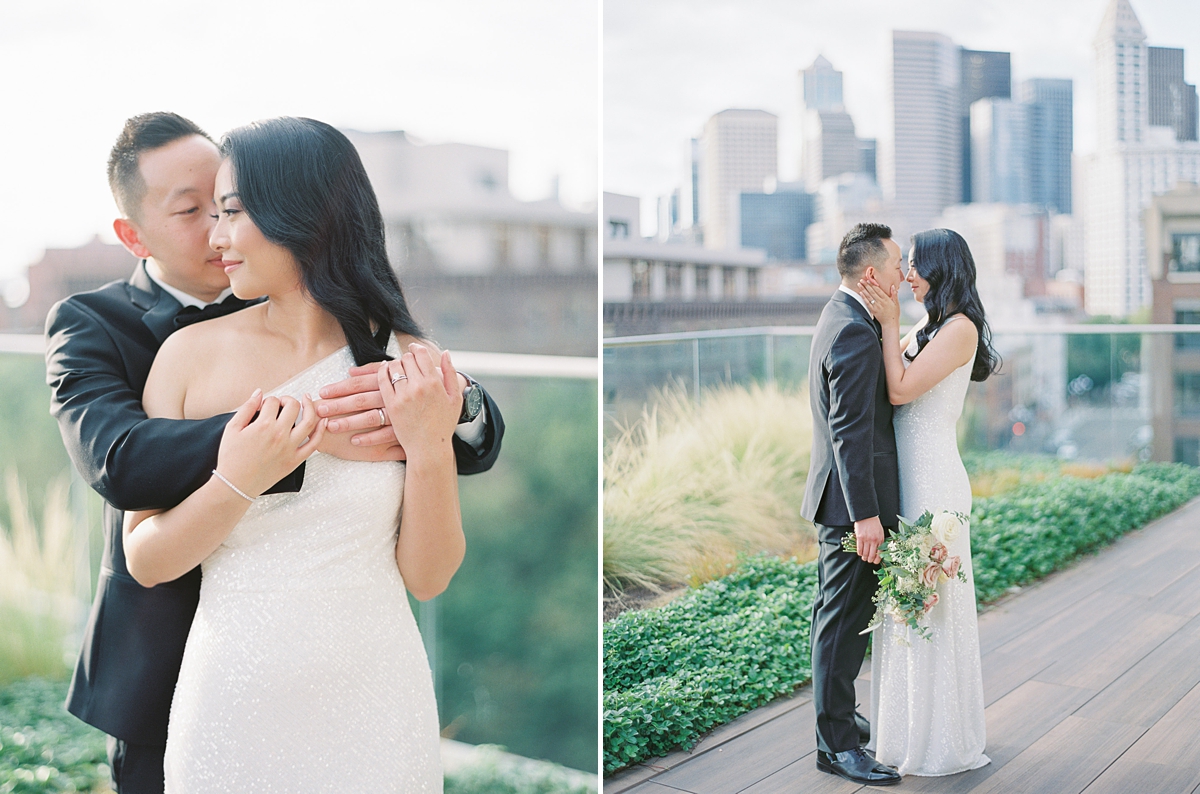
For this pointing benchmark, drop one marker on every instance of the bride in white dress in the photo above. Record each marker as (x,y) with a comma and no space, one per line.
(927,696)
(304,670)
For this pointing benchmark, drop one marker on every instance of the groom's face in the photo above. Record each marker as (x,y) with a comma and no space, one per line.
(176,215)
(888,272)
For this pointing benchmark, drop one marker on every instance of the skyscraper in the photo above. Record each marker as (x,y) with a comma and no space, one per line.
(777,222)
(1133,163)
(821,86)
(1171,102)
(983,75)
(1000,143)
(1050,123)
(920,168)
(689,190)
(738,152)
(828,146)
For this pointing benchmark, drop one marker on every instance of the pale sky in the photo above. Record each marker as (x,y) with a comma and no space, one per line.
(670,64)
(519,75)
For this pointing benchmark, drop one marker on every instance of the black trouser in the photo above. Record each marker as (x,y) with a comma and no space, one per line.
(843,608)
(136,768)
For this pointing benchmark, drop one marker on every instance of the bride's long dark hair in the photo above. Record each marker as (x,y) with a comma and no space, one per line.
(304,186)
(942,258)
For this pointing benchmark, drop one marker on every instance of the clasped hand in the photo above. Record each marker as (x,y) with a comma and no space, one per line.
(258,451)
(359,424)
(422,400)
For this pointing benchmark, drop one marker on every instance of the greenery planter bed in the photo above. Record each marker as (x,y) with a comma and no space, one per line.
(674,673)
(44,749)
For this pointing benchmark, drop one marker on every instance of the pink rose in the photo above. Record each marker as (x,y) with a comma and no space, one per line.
(931,602)
(929,576)
(939,553)
(951,566)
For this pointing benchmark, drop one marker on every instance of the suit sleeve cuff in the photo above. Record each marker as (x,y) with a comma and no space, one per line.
(474,431)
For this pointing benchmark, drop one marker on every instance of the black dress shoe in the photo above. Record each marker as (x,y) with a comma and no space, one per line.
(857,766)
(864,728)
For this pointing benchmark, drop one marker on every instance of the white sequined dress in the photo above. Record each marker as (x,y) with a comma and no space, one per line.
(927,696)
(304,669)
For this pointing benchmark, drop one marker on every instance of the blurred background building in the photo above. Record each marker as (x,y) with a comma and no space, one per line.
(1140,154)
(481,269)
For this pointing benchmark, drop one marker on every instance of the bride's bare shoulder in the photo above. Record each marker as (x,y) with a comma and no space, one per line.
(187,357)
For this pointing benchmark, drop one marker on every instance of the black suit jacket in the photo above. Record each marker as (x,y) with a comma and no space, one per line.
(852,473)
(100,346)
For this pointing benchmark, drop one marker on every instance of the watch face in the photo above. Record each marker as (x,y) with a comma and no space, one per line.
(473,401)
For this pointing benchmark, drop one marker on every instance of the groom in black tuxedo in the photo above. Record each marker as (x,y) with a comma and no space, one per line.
(853,486)
(100,346)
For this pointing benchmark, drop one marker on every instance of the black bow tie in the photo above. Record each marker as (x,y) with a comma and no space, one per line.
(194,314)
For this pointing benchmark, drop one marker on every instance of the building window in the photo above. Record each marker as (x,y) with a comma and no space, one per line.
(618,230)
(674,281)
(1185,253)
(1187,394)
(641,279)
(703,290)
(729,285)
(1187,450)
(1187,341)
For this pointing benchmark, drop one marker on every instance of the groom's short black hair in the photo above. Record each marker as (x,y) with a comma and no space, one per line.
(860,246)
(142,133)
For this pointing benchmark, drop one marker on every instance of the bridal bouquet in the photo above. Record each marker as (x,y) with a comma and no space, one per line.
(916,559)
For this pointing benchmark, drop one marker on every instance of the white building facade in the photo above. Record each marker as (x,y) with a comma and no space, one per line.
(1134,162)
(738,153)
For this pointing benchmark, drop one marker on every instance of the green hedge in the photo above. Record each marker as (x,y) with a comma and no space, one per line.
(45,749)
(674,673)
(1029,532)
(42,748)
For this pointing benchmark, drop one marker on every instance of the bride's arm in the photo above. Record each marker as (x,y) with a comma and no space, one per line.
(425,405)
(953,345)
(255,453)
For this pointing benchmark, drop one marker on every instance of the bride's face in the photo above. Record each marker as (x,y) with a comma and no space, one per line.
(920,286)
(255,265)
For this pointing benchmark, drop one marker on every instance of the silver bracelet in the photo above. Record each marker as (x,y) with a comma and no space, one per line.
(236,489)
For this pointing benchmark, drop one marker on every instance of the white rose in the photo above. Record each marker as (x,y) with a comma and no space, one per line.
(946,527)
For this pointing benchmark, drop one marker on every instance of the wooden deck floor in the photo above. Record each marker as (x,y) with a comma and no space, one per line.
(1091,679)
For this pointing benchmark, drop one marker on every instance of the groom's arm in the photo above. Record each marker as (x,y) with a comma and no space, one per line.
(133,462)
(854,361)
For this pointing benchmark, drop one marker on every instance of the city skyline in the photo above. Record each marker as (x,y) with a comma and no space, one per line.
(521,77)
(715,64)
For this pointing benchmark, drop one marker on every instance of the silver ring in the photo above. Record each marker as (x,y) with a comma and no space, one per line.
(397,378)
(872,303)
(382,417)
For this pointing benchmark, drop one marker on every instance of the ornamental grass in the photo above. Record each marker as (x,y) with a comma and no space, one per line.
(691,485)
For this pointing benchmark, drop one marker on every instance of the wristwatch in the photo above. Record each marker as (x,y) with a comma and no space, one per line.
(472,400)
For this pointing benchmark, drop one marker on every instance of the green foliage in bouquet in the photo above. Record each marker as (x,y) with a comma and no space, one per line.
(916,561)
(674,673)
